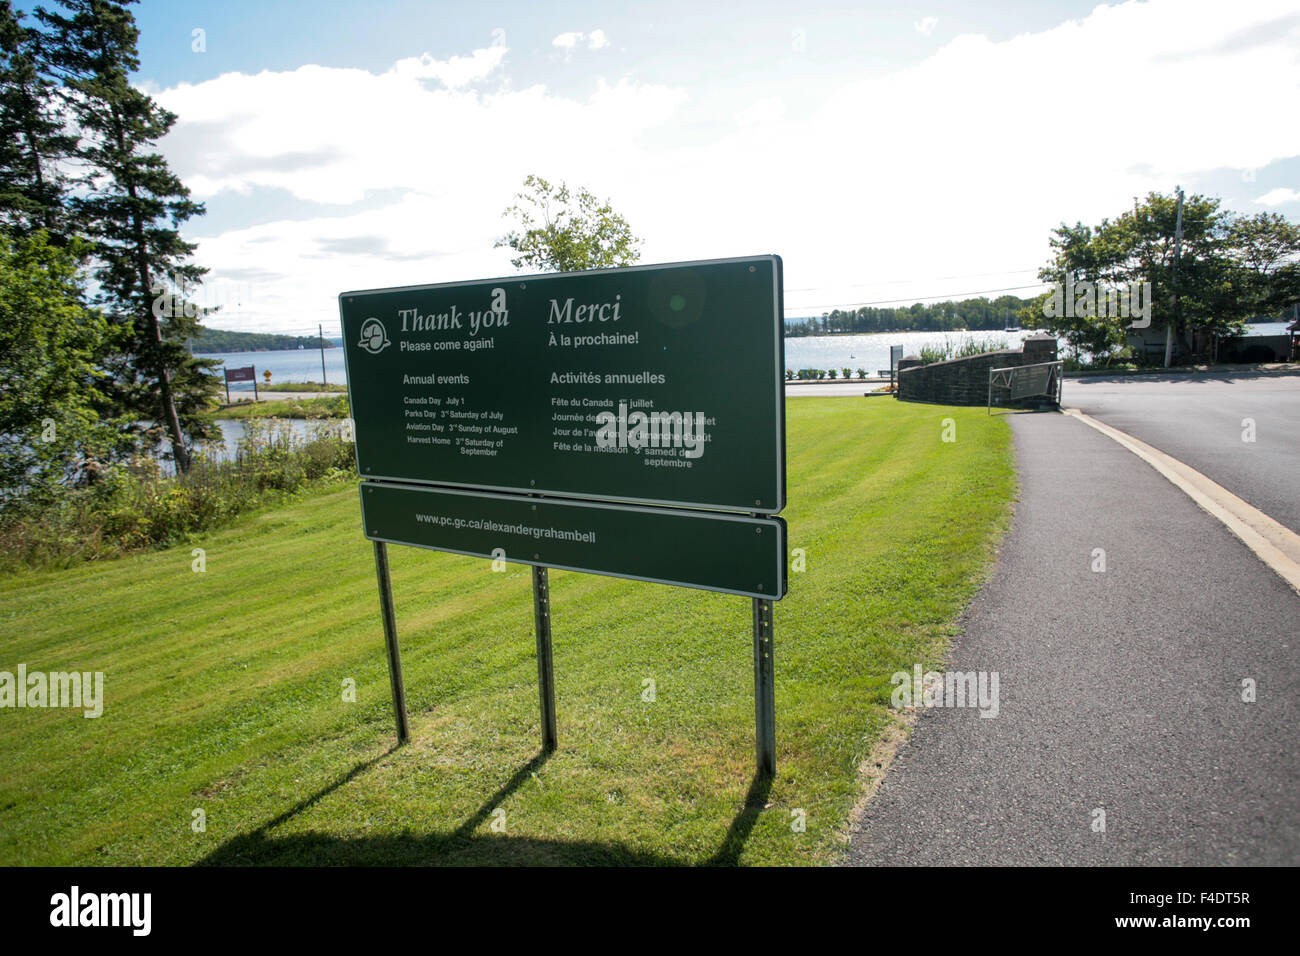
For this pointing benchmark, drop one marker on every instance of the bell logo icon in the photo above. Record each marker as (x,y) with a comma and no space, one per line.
(374,337)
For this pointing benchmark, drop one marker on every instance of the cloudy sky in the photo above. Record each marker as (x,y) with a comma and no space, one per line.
(886,151)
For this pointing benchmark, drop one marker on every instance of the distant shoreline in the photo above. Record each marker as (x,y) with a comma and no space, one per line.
(255,351)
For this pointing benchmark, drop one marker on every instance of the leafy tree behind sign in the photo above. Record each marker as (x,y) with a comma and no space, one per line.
(1267,246)
(1227,269)
(51,434)
(561,230)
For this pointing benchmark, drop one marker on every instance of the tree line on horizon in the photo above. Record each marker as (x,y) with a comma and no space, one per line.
(208,340)
(975,314)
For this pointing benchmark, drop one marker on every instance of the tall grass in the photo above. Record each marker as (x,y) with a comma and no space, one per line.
(334,406)
(139,507)
(961,348)
(303,387)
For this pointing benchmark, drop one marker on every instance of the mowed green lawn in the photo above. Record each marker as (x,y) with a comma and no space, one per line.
(224,689)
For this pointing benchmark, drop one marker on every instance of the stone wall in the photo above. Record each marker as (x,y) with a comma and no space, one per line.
(965,381)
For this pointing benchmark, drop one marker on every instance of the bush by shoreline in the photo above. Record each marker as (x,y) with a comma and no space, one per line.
(137,508)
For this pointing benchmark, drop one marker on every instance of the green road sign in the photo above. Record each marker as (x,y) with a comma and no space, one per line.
(732,553)
(655,384)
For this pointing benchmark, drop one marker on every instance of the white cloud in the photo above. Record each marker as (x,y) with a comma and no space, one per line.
(768,110)
(926,25)
(456,72)
(1276,197)
(959,164)
(568,42)
(336,135)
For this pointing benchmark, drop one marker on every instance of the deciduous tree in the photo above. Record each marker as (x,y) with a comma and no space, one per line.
(51,432)
(561,230)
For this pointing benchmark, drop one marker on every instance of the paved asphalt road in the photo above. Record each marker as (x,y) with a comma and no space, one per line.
(1119,690)
(1198,420)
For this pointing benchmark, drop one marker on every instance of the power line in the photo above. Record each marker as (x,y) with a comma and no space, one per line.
(871,285)
(911,299)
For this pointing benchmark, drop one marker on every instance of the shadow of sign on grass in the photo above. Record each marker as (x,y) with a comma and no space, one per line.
(462,846)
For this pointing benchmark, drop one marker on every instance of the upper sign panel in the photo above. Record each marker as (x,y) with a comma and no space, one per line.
(657,384)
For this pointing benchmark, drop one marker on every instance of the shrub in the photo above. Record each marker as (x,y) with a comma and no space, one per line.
(136,507)
(961,349)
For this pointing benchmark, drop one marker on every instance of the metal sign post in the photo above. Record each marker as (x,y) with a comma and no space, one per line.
(390,638)
(764,689)
(545,670)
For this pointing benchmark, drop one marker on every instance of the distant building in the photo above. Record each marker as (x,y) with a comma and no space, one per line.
(1149,343)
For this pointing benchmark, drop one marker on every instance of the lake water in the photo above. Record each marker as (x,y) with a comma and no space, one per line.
(232,430)
(299,365)
(869,351)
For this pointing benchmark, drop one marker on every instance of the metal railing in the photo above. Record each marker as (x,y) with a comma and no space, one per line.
(1025,381)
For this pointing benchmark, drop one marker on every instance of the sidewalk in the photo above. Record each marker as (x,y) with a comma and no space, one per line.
(1119,690)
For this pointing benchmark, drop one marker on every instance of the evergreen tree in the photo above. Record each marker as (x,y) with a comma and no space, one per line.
(34,147)
(132,207)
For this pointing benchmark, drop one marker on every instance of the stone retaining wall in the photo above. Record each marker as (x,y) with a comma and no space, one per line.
(965,381)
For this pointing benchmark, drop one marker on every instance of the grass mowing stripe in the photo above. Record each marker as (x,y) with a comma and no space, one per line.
(224,688)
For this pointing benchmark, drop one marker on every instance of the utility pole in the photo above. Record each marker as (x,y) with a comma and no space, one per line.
(322,354)
(1173,284)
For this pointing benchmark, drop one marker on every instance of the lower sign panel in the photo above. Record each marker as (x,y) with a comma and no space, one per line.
(735,554)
